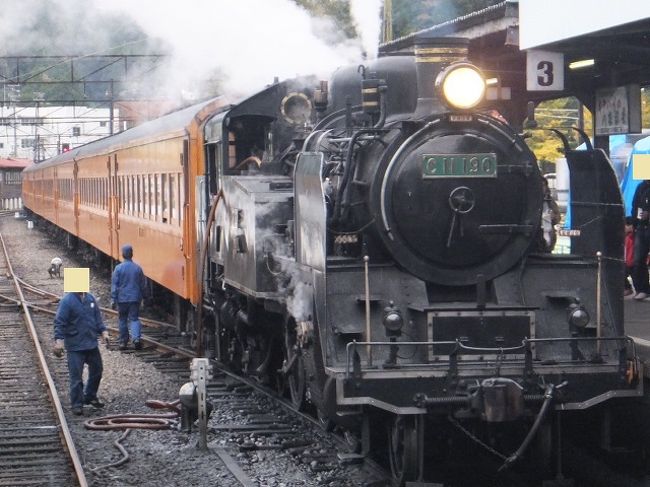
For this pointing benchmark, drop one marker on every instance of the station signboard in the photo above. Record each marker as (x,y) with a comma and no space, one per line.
(618,110)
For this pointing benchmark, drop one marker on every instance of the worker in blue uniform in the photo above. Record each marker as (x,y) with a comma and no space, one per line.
(77,326)
(128,287)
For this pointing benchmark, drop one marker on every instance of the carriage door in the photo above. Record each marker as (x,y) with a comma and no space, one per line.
(113,207)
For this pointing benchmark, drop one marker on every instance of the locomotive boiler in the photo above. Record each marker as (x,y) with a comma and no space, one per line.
(369,245)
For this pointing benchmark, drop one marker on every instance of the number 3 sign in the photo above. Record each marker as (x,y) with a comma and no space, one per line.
(544,71)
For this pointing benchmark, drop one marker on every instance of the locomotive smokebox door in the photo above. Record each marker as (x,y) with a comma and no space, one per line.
(503,400)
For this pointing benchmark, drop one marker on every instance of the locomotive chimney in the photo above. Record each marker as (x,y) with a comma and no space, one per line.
(432,54)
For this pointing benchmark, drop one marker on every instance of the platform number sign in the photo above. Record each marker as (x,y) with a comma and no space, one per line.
(544,71)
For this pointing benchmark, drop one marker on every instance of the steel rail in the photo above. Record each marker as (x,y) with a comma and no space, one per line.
(68,442)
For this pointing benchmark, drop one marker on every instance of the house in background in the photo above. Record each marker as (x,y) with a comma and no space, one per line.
(11,183)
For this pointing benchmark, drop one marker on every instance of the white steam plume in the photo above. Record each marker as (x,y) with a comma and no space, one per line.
(249,42)
(367,17)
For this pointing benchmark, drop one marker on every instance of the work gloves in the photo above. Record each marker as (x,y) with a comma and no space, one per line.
(58,348)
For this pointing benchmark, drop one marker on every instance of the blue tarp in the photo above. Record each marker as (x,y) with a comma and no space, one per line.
(629,184)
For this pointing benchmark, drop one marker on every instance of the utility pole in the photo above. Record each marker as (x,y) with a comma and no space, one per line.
(387,22)
(14,96)
(111,112)
(38,99)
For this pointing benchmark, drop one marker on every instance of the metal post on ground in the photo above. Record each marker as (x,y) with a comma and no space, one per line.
(200,375)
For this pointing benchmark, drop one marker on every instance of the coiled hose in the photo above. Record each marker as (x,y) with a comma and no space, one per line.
(128,422)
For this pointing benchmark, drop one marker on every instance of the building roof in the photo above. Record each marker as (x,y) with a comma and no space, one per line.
(14,163)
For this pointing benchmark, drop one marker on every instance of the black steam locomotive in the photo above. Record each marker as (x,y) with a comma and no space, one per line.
(371,247)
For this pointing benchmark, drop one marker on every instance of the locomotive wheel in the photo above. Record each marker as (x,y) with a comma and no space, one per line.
(327,407)
(405,448)
(297,384)
(296,376)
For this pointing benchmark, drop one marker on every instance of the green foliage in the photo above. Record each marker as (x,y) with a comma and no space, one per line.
(560,114)
(337,10)
(410,16)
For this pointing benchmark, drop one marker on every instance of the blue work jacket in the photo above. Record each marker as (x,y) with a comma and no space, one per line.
(78,322)
(128,283)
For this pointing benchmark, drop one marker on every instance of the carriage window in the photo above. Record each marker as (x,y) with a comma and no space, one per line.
(157,198)
(121,187)
(127,195)
(179,190)
(173,198)
(164,182)
(145,196)
(138,191)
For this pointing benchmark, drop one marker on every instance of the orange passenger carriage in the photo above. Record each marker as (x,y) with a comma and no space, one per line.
(137,187)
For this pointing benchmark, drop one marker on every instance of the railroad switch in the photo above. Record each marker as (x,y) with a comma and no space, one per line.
(193,397)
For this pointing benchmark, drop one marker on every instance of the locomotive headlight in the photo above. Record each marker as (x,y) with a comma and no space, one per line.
(578,316)
(461,86)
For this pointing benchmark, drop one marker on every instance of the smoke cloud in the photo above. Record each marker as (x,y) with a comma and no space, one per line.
(241,44)
(366,14)
(245,42)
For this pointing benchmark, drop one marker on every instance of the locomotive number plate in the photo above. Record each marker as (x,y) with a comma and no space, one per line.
(483,165)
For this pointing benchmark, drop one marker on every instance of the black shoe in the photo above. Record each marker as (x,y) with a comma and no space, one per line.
(137,344)
(78,411)
(96,403)
(123,345)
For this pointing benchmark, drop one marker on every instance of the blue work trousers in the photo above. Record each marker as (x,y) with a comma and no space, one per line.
(76,360)
(128,315)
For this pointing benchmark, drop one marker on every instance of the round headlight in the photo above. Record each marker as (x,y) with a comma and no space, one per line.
(461,86)
(578,316)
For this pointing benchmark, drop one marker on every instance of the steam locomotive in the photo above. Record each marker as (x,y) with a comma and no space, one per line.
(369,245)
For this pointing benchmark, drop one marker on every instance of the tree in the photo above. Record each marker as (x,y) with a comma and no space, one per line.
(410,16)
(560,114)
(337,10)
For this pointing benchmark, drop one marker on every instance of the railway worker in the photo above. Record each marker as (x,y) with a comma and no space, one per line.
(128,287)
(77,326)
(55,267)
(641,212)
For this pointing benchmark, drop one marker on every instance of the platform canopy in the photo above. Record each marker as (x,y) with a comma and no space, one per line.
(614,33)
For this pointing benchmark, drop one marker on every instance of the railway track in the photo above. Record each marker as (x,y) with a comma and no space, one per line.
(36,447)
(248,429)
(250,426)
(250,421)
(254,421)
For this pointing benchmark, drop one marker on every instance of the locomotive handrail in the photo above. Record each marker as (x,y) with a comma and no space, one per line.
(459,345)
